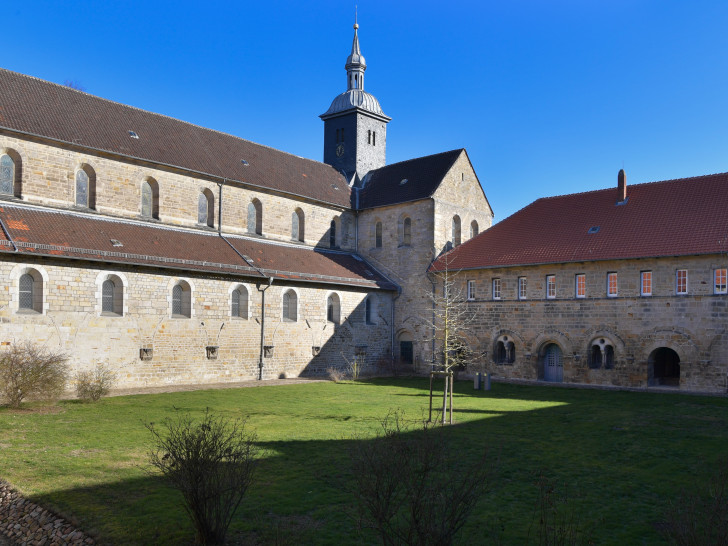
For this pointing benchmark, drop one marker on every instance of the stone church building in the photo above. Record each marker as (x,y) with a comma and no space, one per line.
(173,253)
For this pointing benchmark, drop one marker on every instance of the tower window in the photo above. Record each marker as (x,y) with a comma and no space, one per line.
(369,137)
(374,138)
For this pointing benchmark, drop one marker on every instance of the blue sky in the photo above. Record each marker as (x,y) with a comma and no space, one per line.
(548,97)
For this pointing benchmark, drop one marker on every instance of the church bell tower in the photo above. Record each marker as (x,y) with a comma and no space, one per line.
(355,127)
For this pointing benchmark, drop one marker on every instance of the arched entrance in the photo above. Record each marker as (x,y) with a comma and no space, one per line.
(553,364)
(663,368)
(406,349)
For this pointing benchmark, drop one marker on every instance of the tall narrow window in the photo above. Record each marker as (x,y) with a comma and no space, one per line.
(297,225)
(146,200)
(522,288)
(496,289)
(333,309)
(239,303)
(378,235)
(580,288)
(206,208)
(456,238)
(26,292)
(7,174)
(471,290)
(369,136)
(332,234)
(646,283)
(255,217)
(612,288)
(473,229)
(107,296)
(550,287)
(407,232)
(368,316)
(182,300)
(82,189)
(681,281)
(290,306)
(720,286)
(374,138)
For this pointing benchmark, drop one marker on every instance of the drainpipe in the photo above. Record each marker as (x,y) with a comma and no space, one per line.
(262,325)
(395,298)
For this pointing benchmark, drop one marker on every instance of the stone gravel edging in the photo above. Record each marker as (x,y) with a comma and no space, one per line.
(24,522)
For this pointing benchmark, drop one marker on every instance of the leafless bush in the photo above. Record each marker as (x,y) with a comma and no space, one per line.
(697,519)
(29,371)
(336,374)
(92,385)
(557,522)
(411,488)
(211,462)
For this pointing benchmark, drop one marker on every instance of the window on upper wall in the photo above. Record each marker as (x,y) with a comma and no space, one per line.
(290,306)
(612,288)
(645,283)
(580,286)
(550,287)
(407,232)
(369,305)
(681,281)
(496,289)
(239,302)
(255,217)
(297,225)
(332,234)
(456,238)
(86,187)
(378,235)
(206,208)
(333,309)
(150,199)
(181,300)
(369,136)
(471,290)
(522,288)
(374,138)
(720,286)
(473,229)
(30,292)
(7,174)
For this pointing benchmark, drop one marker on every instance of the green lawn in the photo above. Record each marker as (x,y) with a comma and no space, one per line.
(623,456)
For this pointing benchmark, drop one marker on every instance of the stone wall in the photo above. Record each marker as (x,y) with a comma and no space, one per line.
(693,325)
(71,321)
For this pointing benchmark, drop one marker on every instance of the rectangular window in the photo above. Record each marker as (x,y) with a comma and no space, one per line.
(521,288)
(720,281)
(550,286)
(580,287)
(496,289)
(681,281)
(612,289)
(646,283)
(471,290)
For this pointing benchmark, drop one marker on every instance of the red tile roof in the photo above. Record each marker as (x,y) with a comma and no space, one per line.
(38,107)
(671,218)
(82,236)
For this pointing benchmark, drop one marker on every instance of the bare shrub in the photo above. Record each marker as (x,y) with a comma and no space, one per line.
(29,371)
(211,462)
(701,518)
(411,488)
(92,385)
(336,374)
(557,521)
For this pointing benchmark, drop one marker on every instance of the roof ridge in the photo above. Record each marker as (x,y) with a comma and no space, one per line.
(419,158)
(157,114)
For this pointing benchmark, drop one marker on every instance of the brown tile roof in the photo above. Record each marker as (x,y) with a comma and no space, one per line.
(671,218)
(66,234)
(423,174)
(58,112)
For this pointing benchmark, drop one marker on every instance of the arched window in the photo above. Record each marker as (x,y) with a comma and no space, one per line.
(601,354)
(255,217)
(505,351)
(595,357)
(206,208)
(290,306)
(500,353)
(332,234)
(456,238)
(239,303)
(333,309)
(30,292)
(473,229)
(86,187)
(181,300)
(297,225)
(7,174)
(369,309)
(112,296)
(407,232)
(150,199)
(378,235)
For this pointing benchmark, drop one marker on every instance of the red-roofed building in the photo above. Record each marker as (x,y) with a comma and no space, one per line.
(621,287)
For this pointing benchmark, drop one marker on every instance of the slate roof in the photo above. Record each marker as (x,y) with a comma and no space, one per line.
(681,217)
(84,236)
(423,174)
(45,109)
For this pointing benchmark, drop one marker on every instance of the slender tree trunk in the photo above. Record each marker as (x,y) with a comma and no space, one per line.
(444,399)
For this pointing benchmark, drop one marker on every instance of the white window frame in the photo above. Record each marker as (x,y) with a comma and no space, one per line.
(550,287)
(580,277)
(497,288)
(471,290)
(678,290)
(612,275)
(522,287)
(721,288)
(643,276)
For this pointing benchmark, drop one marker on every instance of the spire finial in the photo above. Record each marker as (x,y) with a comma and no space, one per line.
(356,17)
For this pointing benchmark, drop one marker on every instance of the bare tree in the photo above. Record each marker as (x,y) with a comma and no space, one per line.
(450,327)
(28,370)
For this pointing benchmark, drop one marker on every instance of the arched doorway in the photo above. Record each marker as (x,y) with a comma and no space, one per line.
(406,349)
(553,364)
(663,368)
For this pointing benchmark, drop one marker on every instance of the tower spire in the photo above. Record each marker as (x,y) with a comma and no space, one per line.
(355,63)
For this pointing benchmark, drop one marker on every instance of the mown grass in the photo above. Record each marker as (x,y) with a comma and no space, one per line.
(623,455)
